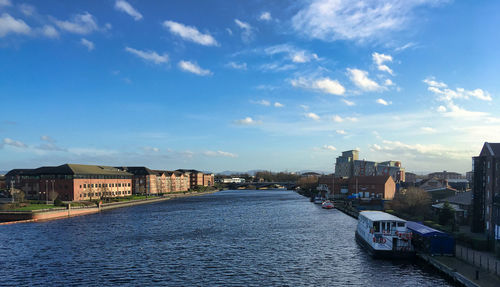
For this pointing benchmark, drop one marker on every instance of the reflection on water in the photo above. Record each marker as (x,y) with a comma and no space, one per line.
(251,238)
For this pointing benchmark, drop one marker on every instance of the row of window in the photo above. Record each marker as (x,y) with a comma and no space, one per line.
(95,194)
(92,185)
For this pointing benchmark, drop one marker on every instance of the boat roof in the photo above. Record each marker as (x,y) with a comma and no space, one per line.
(380,216)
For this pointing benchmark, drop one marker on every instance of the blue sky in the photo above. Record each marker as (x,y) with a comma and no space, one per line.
(242,85)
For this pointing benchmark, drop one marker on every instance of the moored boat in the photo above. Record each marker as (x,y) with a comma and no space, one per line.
(327,204)
(318,199)
(384,235)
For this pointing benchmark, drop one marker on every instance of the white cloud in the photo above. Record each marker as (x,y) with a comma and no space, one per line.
(278,105)
(435,151)
(124,6)
(405,46)
(79,24)
(220,153)
(325,85)
(383,102)
(428,130)
(361,80)
(150,56)
(331,20)
(349,103)
(430,81)
(247,34)
(337,119)
(151,149)
(294,54)
(380,59)
(313,116)
(190,33)
(276,67)
(14,143)
(265,16)
(26,9)
(237,66)
(329,147)
(448,97)
(329,86)
(263,103)
(49,31)
(341,132)
(88,44)
(388,82)
(229,31)
(193,67)
(5,3)
(9,24)
(247,121)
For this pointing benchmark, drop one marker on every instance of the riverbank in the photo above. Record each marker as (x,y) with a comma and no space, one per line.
(455,269)
(12,217)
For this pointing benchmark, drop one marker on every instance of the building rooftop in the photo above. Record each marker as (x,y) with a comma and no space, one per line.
(71,169)
(463,198)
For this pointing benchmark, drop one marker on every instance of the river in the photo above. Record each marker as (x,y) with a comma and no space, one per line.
(229,238)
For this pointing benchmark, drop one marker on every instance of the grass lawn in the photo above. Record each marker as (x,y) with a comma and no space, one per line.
(31,207)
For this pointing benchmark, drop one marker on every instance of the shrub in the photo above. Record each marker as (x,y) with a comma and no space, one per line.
(58,202)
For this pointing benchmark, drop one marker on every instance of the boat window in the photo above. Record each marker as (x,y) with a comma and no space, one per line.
(376,226)
(401,224)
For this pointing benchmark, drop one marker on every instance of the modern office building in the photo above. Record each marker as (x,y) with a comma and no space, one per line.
(71,182)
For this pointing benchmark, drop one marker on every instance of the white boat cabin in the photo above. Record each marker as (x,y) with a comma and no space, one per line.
(384,231)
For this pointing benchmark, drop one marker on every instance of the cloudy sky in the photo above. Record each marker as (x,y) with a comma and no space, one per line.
(241,85)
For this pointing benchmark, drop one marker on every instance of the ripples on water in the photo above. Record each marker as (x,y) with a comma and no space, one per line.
(230,238)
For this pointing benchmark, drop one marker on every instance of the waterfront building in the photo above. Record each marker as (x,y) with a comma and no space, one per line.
(368,187)
(71,182)
(198,178)
(348,165)
(144,180)
(469,176)
(486,191)
(3,184)
(445,175)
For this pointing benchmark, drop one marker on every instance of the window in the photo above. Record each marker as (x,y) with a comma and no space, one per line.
(80,186)
(84,185)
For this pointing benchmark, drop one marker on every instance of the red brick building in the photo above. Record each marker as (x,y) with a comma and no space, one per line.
(71,182)
(380,187)
(198,178)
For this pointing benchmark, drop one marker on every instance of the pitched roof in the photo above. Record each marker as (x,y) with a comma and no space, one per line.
(491,149)
(71,169)
(137,170)
(463,198)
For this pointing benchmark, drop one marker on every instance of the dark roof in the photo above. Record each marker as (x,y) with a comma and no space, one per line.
(463,198)
(490,149)
(137,170)
(70,169)
(189,170)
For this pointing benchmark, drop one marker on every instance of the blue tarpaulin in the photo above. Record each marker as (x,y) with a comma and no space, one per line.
(430,240)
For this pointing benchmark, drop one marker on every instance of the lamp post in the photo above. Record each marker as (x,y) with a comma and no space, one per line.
(53,181)
(46,191)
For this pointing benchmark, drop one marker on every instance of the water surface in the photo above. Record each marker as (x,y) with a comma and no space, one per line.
(230,238)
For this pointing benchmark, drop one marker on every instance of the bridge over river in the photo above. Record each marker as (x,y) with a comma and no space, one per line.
(262,185)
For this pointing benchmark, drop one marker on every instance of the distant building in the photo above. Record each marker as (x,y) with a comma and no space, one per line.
(325,185)
(370,187)
(437,188)
(348,165)
(198,178)
(71,182)
(310,174)
(461,204)
(3,184)
(410,177)
(469,176)
(233,180)
(486,191)
(446,175)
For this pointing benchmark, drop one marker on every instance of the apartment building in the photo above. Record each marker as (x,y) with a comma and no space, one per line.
(348,165)
(486,191)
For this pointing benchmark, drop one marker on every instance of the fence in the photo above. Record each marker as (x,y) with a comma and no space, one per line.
(483,260)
